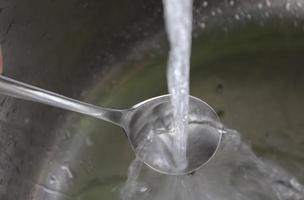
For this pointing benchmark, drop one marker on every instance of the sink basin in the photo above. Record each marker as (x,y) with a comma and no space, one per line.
(247,63)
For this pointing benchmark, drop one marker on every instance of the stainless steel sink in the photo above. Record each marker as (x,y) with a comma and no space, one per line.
(247,62)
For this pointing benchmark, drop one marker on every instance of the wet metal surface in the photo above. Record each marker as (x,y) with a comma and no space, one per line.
(247,63)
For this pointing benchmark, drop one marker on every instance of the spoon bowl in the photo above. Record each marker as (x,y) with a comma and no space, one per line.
(150,134)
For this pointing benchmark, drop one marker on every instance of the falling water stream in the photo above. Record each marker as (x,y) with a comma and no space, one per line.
(178,19)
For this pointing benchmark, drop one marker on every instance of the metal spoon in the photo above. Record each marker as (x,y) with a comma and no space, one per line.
(148,125)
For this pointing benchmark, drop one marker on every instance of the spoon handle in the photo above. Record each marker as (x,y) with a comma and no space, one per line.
(25,91)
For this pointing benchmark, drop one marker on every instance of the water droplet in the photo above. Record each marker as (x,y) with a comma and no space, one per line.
(268,3)
(287,6)
(221,113)
(299,4)
(219,11)
(143,189)
(219,88)
(202,25)
(237,17)
(260,5)
(231,3)
(205,3)
(213,13)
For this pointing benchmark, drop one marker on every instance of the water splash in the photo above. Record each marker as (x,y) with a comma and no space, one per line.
(178,20)
(235,173)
